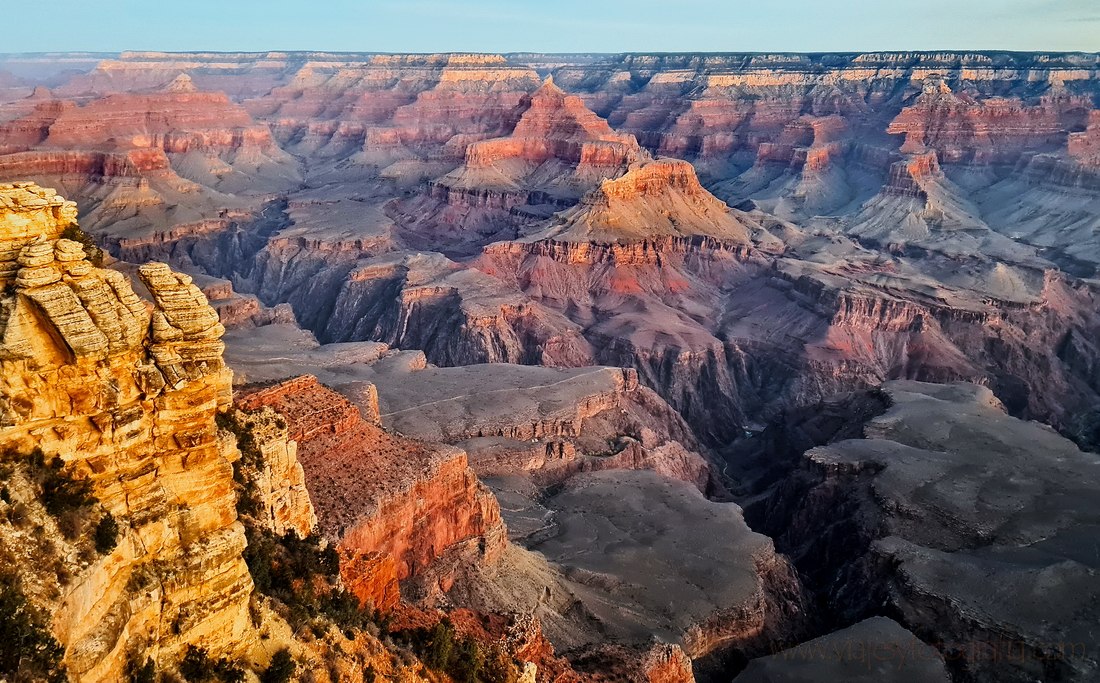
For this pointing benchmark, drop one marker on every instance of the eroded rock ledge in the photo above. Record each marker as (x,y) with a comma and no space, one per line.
(394,505)
(912,504)
(124,393)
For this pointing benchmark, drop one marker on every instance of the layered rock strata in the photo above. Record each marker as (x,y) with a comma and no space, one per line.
(394,505)
(124,393)
(928,518)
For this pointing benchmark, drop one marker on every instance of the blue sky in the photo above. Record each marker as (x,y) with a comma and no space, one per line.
(560,26)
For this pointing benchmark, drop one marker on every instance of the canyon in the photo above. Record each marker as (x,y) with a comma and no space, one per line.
(693,366)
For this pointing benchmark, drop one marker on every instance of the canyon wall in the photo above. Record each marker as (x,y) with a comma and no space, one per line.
(124,395)
(869,499)
(394,505)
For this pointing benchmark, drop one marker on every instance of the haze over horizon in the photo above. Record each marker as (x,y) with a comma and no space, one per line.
(567,26)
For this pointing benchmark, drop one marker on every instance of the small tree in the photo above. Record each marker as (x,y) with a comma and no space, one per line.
(437,654)
(27,650)
(95,254)
(281,669)
(106,534)
(143,673)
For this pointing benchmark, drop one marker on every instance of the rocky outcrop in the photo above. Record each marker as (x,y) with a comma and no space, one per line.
(906,177)
(962,129)
(879,521)
(125,395)
(652,200)
(875,649)
(1084,146)
(278,481)
(555,129)
(373,491)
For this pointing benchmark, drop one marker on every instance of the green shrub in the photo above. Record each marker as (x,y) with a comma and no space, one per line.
(440,646)
(143,673)
(287,568)
(20,515)
(197,667)
(95,254)
(344,610)
(60,493)
(27,650)
(251,455)
(106,534)
(463,659)
(228,672)
(281,669)
(70,522)
(251,461)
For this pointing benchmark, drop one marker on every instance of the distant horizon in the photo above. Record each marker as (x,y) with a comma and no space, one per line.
(564,27)
(511,53)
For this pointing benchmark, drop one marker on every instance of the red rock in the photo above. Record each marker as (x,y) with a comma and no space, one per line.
(175,121)
(1084,147)
(651,200)
(381,496)
(906,176)
(961,128)
(371,576)
(554,128)
(31,128)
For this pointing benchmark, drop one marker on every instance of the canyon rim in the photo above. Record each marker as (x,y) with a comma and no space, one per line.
(550,367)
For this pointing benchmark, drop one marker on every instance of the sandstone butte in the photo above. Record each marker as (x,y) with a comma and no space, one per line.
(557,150)
(396,505)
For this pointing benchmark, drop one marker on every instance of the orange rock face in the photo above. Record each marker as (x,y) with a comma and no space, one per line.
(124,393)
(653,180)
(394,505)
(993,130)
(371,576)
(905,176)
(554,129)
(1084,147)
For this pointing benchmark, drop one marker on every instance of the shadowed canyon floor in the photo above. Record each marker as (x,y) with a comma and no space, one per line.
(541,328)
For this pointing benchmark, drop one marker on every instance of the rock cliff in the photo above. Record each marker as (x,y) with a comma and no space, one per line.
(961,128)
(395,506)
(888,513)
(124,395)
(124,475)
(1084,146)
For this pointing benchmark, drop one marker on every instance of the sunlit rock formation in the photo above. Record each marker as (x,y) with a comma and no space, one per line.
(125,395)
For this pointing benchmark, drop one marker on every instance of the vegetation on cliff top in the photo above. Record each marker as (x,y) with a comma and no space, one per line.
(463,658)
(27,650)
(95,254)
